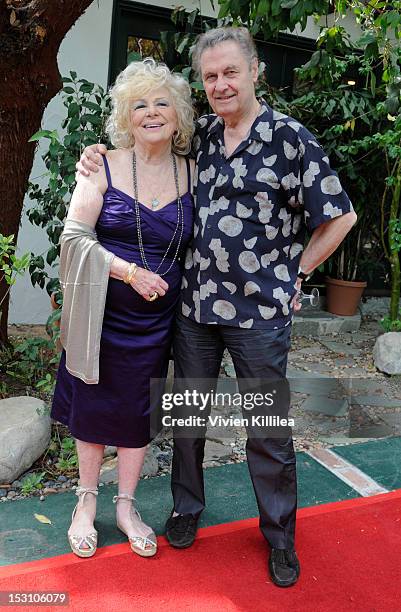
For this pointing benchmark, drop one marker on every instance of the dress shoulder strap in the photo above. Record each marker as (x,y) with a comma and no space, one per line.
(188,174)
(107,169)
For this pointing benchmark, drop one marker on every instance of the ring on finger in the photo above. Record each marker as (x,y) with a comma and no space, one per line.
(153,296)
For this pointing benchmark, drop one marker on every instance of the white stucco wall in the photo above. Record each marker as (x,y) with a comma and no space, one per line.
(85,49)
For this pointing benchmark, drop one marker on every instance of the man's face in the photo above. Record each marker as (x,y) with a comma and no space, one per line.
(228,79)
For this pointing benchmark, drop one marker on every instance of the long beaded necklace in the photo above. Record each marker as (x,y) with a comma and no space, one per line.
(180,220)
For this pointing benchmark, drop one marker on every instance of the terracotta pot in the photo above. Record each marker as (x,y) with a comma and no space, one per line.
(343,297)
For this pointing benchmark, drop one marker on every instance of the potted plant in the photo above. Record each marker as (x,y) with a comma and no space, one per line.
(328,102)
(344,284)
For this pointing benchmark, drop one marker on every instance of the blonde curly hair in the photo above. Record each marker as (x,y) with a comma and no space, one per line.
(137,80)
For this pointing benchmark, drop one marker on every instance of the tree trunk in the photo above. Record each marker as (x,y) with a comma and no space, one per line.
(30,35)
(395,287)
(394,249)
(16,156)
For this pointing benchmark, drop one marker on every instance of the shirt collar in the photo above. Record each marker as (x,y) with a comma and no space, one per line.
(261,129)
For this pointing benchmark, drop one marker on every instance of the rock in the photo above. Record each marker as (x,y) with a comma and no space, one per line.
(319,323)
(354,372)
(164,458)
(326,405)
(11,494)
(344,361)
(313,385)
(3,492)
(214,450)
(229,370)
(62,478)
(109,469)
(376,400)
(321,367)
(24,435)
(16,484)
(387,353)
(393,420)
(110,451)
(375,306)
(221,435)
(310,350)
(339,347)
(151,464)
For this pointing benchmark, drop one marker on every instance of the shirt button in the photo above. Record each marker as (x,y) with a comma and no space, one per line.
(208,226)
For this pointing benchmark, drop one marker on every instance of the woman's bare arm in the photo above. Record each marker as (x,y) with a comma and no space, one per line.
(86,205)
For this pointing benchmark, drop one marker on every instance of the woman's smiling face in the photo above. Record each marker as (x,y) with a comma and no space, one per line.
(153,117)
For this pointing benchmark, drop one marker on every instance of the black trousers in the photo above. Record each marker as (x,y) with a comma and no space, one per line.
(262,354)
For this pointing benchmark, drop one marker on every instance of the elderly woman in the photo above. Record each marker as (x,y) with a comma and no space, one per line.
(121,260)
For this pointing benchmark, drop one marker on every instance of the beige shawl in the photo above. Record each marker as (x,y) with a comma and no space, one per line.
(84,276)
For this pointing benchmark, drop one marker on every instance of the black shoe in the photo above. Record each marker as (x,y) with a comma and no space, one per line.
(181,530)
(284,567)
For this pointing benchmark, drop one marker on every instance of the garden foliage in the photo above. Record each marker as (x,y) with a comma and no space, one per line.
(347,94)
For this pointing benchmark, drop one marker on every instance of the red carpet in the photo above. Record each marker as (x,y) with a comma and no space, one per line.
(349,551)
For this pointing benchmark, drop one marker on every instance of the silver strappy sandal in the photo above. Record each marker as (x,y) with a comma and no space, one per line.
(76,541)
(145,546)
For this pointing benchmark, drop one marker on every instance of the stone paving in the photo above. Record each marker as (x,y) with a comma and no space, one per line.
(337,397)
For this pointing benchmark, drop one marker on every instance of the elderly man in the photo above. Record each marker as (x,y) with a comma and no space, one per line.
(261,179)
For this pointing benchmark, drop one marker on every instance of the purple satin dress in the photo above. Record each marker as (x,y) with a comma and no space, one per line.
(136,334)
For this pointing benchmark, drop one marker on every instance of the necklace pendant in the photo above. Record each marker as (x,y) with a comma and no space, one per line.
(154,203)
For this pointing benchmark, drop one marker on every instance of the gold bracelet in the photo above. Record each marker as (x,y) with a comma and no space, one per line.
(133,273)
(132,269)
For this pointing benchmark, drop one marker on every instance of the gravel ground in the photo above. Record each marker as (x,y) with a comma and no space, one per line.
(348,359)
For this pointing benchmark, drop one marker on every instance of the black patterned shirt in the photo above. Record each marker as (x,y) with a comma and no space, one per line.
(251,213)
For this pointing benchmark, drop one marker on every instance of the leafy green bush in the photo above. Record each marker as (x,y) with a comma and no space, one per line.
(11,266)
(87,106)
(67,462)
(391,325)
(32,482)
(334,103)
(361,127)
(29,361)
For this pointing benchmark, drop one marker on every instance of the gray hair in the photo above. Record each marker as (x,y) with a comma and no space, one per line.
(214,37)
